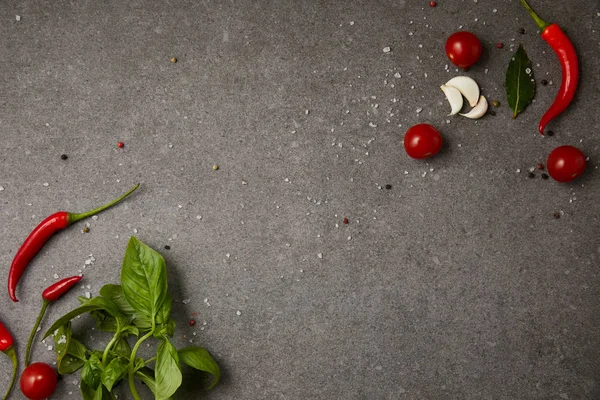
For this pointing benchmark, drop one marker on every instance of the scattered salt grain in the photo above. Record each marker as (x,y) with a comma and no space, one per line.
(238,313)
(1,188)
(387,49)
(320,255)
(18,17)
(55,276)
(198,216)
(186,301)
(87,295)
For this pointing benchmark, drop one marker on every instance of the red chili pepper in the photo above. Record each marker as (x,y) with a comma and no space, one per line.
(6,346)
(562,46)
(51,294)
(40,235)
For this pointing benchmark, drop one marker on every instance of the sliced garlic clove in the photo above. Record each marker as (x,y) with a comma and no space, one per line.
(479,110)
(454,98)
(467,86)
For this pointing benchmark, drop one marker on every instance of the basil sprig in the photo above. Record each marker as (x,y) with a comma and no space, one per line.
(138,308)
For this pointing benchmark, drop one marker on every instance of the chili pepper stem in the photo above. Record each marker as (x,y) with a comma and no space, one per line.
(12,354)
(538,21)
(76,217)
(34,330)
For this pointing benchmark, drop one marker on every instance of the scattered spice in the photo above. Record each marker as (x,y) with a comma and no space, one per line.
(85,229)
(167,247)
(544,82)
(522,31)
(173,60)
(531,175)
(192,322)
(64,156)
(545,176)
(388,187)
(496,103)
(120,145)
(215,167)
(550,133)
(540,166)
(499,45)
(492,113)
(346,221)
(432,4)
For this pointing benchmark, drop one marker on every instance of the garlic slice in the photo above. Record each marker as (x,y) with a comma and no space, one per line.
(479,110)
(467,86)
(454,98)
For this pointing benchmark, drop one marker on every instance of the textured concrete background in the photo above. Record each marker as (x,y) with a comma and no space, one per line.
(456,283)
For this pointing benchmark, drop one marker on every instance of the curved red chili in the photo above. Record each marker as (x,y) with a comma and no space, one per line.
(51,294)
(40,235)
(563,47)
(56,290)
(7,347)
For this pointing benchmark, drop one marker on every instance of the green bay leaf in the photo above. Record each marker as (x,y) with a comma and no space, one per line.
(520,85)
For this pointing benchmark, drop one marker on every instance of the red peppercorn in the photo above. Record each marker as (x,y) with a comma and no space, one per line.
(500,45)
(120,145)
(346,221)
(432,4)
(192,322)
(540,166)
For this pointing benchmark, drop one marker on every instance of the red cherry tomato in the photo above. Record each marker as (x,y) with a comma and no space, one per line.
(422,141)
(463,49)
(38,381)
(565,163)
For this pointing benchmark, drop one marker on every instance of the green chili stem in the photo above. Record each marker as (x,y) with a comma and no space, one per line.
(538,21)
(34,330)
(15,363)
(132,388)
(76,217)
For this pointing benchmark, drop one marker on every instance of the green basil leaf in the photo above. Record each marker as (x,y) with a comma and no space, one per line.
(99,393)
(144,279)
(87,392)
(168,371)
(114,372)
(520,85)
(92,370)
(199,358)
(104,321)
(122,347)
(70,354)
(146,375)
(164,312)
(115,294)
(95,303)
(130,330)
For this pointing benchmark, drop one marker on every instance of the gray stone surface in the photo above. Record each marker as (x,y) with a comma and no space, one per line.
(458,283)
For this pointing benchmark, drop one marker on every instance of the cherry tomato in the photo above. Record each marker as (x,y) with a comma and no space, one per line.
(38,381)
(422,141)
(565,163)
(463,49)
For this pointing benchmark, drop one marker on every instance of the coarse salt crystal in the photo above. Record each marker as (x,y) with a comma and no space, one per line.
(18,17)
(238,313)
(387,49)
(320,255)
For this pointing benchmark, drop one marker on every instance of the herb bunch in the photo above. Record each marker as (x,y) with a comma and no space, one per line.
(138,308)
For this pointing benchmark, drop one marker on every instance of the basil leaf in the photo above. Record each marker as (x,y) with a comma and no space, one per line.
(92,370)
(168,370)
(122,347)
(104,321)
(70,354)
(114,372)
(199,358)
(99,393)
(146,375)
(144,279)
(520,85)
(95,303)
(115,294)
(87,392)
